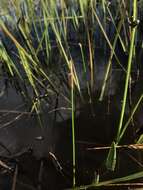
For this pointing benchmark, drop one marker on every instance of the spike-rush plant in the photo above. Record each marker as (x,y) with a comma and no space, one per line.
(69,49)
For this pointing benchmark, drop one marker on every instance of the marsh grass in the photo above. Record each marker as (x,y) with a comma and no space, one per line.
(36,30)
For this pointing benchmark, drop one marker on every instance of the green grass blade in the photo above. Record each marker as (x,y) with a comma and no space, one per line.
(131,52)
(111,158)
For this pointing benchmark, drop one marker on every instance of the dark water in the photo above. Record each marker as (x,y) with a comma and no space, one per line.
(43,155)
(95,126)
(51,145)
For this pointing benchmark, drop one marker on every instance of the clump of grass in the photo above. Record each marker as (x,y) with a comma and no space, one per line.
(44,39)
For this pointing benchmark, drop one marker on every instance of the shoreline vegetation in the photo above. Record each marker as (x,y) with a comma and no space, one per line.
(61,55)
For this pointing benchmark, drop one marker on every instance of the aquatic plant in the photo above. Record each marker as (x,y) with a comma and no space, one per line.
(60,53)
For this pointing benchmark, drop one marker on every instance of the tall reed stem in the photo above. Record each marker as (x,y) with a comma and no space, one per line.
(73,121)
(131,52)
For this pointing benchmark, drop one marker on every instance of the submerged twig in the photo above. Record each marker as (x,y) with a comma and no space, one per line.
(56,162)
(135,160)
(11,121)
(40,175)
(5,148)
(130,146)
(15,178)
(5,165)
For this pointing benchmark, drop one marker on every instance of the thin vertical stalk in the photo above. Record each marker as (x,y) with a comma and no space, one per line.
(131,116)
(105,35)
(73,121)
(90,60)
(109,65)
(131,53)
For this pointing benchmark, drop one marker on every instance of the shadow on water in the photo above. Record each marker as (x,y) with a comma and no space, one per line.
(96,130)
(43,156)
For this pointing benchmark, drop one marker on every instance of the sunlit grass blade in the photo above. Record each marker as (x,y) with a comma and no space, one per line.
(131,52)
(105,35)
(4,57)
(109,65)
(73,124)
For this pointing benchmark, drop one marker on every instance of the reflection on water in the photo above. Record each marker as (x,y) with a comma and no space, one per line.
(95,122)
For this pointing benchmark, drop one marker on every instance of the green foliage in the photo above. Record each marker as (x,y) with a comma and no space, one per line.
(111,158)
(53,29)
